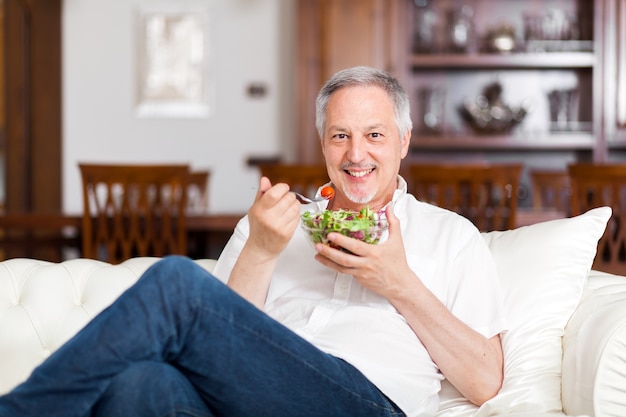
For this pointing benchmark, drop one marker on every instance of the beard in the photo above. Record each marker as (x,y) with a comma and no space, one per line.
(358,198)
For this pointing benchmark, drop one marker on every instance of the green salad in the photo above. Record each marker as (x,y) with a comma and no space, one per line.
(365,225)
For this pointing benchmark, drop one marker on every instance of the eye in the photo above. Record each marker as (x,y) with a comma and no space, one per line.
(339,136)
(376,135)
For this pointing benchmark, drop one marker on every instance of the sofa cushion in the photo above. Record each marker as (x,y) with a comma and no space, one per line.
(43,304)
(543,268)
(596,332)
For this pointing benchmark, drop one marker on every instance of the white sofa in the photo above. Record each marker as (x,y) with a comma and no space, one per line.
(43,304)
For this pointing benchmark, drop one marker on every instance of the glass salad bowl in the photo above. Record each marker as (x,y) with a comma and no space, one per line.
(364,225)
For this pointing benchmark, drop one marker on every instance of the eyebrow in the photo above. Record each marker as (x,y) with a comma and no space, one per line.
(371,127)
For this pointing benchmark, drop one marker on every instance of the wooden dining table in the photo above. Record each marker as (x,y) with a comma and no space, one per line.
(40,235)
(52,235)
(208,233)
(56,236)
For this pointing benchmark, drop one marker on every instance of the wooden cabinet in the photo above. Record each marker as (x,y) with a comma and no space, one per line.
(621,67)
(30,121)
(542,60)
(31,79)
(615,93)
(560,51)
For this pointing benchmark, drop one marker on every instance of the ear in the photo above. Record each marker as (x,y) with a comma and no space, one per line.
(405,141)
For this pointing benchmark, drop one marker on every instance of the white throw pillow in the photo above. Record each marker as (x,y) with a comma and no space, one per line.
(543,268)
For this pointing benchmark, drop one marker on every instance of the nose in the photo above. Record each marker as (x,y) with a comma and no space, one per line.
(357,149)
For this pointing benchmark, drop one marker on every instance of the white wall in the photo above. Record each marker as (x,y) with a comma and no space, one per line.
(250,41)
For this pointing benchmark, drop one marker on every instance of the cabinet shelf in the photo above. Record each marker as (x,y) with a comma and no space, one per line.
(551,70)
(619,143)
(539,60)
(530,142)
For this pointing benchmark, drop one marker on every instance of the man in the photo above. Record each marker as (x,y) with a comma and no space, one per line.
(299,331)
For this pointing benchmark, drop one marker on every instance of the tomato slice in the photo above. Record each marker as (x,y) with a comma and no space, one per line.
(328,192)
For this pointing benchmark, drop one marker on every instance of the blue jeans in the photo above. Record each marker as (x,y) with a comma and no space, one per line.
(148,389)
(180,342)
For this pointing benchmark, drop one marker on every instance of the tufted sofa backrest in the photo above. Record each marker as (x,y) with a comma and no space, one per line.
(43,304)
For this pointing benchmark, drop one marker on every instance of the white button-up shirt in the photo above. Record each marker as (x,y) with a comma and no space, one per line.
(339,316)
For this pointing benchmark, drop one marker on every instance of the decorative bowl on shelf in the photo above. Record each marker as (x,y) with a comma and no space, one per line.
(501,39)
(488,114)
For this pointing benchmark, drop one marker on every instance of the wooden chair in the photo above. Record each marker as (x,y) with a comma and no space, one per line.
(305,179)
(198,241)
(133,210)
(595,185)
(485,194)
(551,189)
(198,192)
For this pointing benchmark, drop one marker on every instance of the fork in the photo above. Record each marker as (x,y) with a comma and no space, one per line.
(306,200)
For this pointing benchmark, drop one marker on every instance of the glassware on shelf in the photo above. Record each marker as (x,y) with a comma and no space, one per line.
(424,36)
(554,25)
(563,109)
(431,109)
(461,36)
(553,30)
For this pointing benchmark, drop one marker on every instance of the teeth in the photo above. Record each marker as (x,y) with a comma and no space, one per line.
(359,174)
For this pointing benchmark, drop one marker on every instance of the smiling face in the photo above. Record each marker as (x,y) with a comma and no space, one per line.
(362,147)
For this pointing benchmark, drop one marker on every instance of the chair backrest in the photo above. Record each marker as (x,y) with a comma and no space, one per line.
(198,191)
(551,189)
(305,179)
(595,185)
(484,193)
(133,210)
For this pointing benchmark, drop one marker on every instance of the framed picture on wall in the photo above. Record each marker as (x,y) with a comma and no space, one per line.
(173,63)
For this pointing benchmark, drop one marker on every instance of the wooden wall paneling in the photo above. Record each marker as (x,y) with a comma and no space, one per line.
(46,104)
(2,84)
(621,64)
(33,106)
(333,35)
(17,19)
(350,30)
(613,58)
(601,34)
(32,76)
(308,79)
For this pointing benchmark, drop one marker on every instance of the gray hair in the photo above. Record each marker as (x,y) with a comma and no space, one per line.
(365,76)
